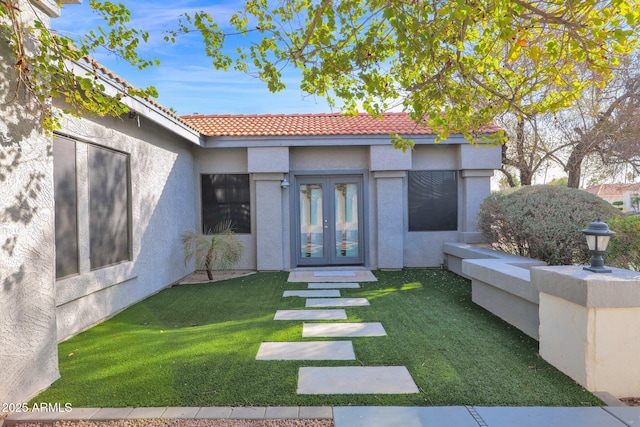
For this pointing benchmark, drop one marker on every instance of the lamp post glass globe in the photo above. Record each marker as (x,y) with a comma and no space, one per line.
(598,236)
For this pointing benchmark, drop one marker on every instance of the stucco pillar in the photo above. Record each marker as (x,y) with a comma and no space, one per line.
(476,185)
(590,326)
(390,218)
(477,163)
(28,342)
(389,166)
(268,165)
(269,225)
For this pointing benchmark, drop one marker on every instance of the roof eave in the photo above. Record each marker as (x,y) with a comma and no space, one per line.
(142,106)
(242,141)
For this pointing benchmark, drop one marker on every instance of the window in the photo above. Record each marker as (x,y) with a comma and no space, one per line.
(433,200)
(66,207)
(109,217)
(104,220)
(225,197)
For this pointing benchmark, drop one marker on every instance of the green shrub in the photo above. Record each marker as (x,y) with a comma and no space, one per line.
(624,249)
(543,222)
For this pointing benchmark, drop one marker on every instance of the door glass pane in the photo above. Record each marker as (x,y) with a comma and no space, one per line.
(311,221)
(346,220)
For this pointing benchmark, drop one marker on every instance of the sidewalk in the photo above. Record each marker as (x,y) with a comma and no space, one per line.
(366,416)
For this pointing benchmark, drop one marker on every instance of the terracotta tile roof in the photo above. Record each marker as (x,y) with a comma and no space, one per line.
(309,125)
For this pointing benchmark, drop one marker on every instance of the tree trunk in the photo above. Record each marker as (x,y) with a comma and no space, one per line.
(573,168)
(509,177)
(207,264)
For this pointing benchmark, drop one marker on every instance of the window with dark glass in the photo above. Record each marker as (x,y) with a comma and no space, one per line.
(109,214)
(225,197)
(66,206)
(433,200)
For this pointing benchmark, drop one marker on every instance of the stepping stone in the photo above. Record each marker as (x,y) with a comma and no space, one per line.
(355,380)
(334,314)
(329,285)
(311,294)
(310,350)
(334,274)
(336,302)
(371,329)
(310,276)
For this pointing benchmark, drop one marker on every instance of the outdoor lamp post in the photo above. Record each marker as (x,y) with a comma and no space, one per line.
(598,236)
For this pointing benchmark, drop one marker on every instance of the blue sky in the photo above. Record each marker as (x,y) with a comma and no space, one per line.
(185,79)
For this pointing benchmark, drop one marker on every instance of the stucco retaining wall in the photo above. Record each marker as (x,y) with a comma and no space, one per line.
(500,283)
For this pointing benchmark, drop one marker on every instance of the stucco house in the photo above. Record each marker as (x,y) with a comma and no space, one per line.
(618,192)
(91,217)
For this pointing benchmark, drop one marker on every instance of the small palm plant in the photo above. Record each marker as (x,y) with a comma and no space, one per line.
(220,249)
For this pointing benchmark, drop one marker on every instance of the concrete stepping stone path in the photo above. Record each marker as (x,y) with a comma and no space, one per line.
(312,293)
(329,285)
(309,350)
(330,314)
(335,330)
(336,302)
(322,293)
(334,274)
(355,380)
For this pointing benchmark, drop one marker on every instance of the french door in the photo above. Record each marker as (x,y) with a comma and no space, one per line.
(329,215)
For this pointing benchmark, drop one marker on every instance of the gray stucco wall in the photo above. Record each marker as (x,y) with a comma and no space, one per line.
(388,243)
(28,351)
(162,207)
(226,160)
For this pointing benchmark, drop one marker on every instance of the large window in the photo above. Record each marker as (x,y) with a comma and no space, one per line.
(225,197)
(109,217)
(66,207)
(104,219)
(433,200)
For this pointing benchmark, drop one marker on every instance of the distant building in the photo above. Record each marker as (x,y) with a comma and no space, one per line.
(617,192)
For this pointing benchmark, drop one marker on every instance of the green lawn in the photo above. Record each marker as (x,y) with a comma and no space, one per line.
(195,345)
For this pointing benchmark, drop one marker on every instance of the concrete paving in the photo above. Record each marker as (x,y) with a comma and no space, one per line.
(330,285)
(469,416)
(331,314)
(307,350)
(312,293)
(355,380)
(334,274)
(383,416)
(548,417)
(365,416)
(336,302)
(309,276)
(369,329)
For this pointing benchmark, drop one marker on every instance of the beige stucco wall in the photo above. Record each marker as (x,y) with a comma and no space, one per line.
(162,207)
(590,326)
(226,160)
(28,352)
(597,347)
(321,159)
(387,243)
